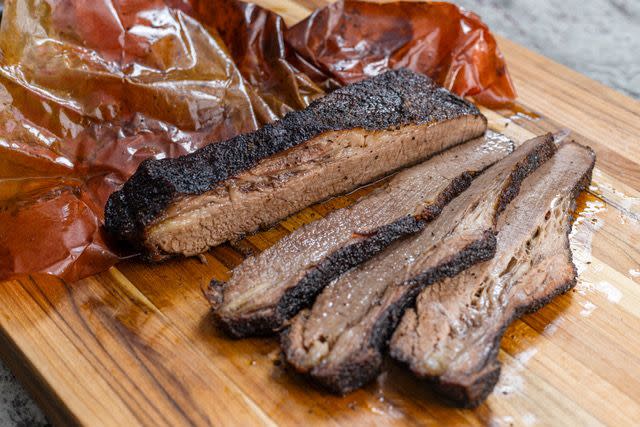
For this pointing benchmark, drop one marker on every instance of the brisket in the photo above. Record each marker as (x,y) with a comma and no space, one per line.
(339,341)
(453,335)
(267,290)
(350,137)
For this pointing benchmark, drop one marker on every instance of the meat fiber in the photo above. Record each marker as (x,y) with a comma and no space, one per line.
(267,290)
(339,341)
(453,335)
(350,137)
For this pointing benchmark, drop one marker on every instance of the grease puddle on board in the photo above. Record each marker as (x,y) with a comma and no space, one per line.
(628,210)
(512,382)
(608,290)
(586,225)
(588,222)
(627,204)
(385,398)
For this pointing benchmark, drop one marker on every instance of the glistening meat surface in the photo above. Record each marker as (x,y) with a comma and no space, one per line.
(348,138)
(453,335)
(339,341)
(268,289)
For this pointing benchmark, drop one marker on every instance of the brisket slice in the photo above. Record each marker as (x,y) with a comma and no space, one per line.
(453,335)
(267,290)
(339,341)
(350,137)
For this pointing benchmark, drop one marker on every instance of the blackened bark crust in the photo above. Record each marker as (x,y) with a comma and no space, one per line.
(390,100)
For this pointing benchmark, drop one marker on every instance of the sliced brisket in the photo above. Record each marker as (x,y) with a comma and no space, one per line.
(339,341)
(266,290)
(348,138)
(453,335)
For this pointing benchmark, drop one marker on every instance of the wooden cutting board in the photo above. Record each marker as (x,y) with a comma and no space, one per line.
(136,345)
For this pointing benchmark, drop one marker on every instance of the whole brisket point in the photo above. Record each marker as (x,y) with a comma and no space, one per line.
(270,288)
(339,341)
(348,138)
(453,335)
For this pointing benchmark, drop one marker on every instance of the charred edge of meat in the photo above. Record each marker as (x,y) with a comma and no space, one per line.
(303,294)
(270,320)
(387,101)
(543,152)
(474,393)
(363,366)
(213,293)
(359,370)
(366,363)
(486,378)
(266,322)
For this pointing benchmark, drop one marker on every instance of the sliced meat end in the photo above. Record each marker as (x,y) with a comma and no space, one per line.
(279,186)
(453,335)
(346,139)
(339,341)
(267,290)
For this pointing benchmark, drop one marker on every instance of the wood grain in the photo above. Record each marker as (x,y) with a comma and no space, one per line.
(137,346)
